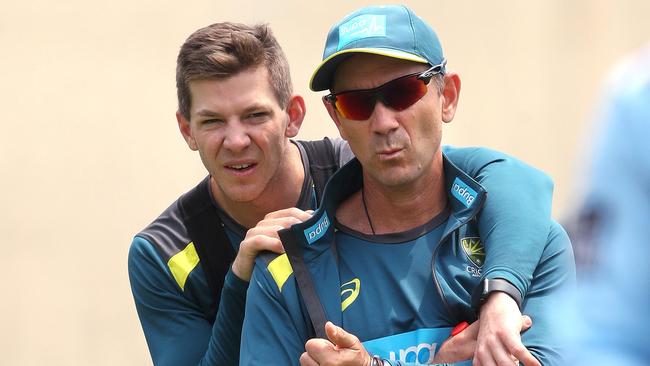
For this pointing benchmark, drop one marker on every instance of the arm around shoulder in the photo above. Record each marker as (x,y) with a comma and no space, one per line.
(515,220)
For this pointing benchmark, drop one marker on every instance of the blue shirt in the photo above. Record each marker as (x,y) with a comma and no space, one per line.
(367,263)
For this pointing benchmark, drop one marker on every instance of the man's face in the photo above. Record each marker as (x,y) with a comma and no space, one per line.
(396,148)
(240,131)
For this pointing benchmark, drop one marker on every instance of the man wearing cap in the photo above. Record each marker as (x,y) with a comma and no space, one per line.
(391,249)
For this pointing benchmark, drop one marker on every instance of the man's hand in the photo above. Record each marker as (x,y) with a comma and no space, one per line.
(499,335)
(264,236)
(341,349)
(461,347)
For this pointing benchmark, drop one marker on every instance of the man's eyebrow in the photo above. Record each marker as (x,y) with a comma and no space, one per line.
(256,107)
(252,108)
(206,113)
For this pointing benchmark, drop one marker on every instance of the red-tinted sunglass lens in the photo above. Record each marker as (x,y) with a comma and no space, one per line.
(356,105)
(397,94)
(403,93)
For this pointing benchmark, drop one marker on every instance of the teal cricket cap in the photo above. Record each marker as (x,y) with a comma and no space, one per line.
(390,30)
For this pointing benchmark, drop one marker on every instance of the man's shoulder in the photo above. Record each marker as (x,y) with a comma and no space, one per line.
(338,147)
(474,160)
(276,268)
(164,246)
(168,233)
(474,156)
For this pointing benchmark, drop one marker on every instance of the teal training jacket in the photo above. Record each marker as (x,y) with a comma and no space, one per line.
(277,326)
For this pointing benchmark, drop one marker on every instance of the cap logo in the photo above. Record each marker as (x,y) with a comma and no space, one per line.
(360,27)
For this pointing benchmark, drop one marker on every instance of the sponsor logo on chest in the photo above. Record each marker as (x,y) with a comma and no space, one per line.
(418,346)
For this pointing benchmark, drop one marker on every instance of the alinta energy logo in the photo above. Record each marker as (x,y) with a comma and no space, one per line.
(473,248)
(349,292)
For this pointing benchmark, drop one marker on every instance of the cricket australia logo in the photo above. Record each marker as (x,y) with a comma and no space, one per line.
(473,248)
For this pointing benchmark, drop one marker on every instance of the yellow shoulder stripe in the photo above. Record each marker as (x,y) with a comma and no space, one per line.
(280,269)
(182,263)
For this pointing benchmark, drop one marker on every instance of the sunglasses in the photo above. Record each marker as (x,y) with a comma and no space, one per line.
(397,94)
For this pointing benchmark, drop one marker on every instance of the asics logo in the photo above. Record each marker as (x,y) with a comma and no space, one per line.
(349,292)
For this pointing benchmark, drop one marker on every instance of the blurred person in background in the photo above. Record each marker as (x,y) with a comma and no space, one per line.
(610,324)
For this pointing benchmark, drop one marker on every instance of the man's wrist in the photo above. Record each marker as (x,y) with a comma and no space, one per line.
(491,285)
(239,272)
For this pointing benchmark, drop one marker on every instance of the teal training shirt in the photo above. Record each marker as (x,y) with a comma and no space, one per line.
(370,274)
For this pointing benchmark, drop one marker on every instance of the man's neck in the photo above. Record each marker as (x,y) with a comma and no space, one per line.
(282,191)
(395,209)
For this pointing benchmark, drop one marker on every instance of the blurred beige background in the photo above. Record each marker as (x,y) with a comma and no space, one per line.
(90,152)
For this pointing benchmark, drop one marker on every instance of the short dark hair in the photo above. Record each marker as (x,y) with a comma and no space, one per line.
(224,49)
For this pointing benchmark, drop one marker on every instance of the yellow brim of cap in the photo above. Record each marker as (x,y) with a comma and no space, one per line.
(321,78)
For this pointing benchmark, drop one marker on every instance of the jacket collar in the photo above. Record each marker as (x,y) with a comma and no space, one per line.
(465,197)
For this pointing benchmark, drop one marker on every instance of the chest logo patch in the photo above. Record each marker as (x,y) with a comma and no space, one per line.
(349,292)
(473,248)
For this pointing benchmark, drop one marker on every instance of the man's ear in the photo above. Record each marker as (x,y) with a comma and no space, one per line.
(450,96)
(296,110)
(186,131)
(335,117)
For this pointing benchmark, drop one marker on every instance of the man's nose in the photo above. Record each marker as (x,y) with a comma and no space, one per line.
(237,137)
(383,119)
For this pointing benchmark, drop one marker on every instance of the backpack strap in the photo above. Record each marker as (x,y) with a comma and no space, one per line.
(322,164)
(206,230)
(214,249)
(305,283)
